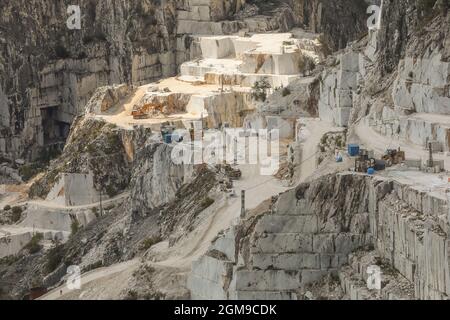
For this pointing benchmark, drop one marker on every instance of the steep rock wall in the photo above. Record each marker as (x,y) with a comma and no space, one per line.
(339,21)
(49,72)
(311,232)
(156,178)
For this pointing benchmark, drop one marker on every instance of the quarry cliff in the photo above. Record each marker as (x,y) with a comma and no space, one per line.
(91,120)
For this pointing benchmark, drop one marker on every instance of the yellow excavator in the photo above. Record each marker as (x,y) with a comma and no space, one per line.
(393,157)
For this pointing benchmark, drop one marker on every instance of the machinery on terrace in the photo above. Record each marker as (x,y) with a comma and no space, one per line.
(366,162)
(393,157)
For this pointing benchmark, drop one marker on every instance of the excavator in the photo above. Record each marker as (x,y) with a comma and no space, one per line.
(393,157)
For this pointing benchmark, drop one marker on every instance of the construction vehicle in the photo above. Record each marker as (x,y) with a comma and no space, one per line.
(393,157)
(365,161)
(140,114)
(229,171)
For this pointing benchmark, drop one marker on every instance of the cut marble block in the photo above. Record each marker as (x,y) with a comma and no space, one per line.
(243,45)
(201,67)
(217,47)
(338,89)
(271,63)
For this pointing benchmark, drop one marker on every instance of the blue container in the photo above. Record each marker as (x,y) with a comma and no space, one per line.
(371,171)
(353,150)
(167,138)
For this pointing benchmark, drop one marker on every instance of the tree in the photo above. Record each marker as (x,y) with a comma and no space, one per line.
(259,90)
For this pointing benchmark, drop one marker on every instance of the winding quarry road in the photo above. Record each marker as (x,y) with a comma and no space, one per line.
(88,277)
(259,188)
(54,205)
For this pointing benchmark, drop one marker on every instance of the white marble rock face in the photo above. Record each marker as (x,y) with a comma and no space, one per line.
(292,247)
(422,86)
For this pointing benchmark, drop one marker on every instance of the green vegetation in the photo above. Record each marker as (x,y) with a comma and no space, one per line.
(95,211)
(325,47)
(45,155)
(9,260)
(306,64)
(61,52)
(54,258)
(75,227)
(149,242)
(34,245)
(207,202)
(48,154)
(259,90)
(425,7)
(93,266)
(131,295)
(286,92)
(426,12)
(16,214)
(110,191)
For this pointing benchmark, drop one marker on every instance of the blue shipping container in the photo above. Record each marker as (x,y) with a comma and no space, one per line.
(167,138)
(353,150)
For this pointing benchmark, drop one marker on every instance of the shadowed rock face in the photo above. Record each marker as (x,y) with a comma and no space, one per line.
(45,65)
(403,19)
(48,72)
(340,21)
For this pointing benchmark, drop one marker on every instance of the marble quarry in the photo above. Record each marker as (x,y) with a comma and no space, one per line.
(277,254)
(338,87)
(422,86)
(241,61)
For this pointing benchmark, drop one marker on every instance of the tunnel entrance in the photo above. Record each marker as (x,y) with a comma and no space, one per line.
(55,131)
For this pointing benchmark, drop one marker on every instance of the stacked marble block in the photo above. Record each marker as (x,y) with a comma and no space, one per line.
(290,249)
(338,88)
(211,275)
(234,60)
(208,17)
(416,244)
(199,18)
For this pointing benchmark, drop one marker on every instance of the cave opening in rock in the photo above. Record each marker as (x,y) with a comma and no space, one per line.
(55,131)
